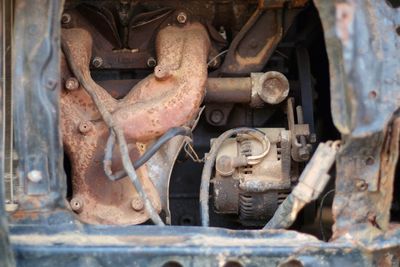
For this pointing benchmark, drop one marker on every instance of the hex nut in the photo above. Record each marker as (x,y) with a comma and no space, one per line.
(71,84)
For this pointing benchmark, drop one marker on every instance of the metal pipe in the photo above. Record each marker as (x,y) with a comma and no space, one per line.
(228,90)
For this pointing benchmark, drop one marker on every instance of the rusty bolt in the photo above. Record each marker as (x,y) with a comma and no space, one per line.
(85,127)
(76,204)
(151,62)
(216,116)
(97,62)
(35,176)
(65,18)
(161,73)
(137,204)
(72,84)
(361,185)
(181,18)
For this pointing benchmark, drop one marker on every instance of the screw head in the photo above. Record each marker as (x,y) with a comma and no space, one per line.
(137,204)
(76,204)
(35,176)
(151,62)
(85,127)
(65,18)
(71,84)
(361,185)
(97,62)
(181,17)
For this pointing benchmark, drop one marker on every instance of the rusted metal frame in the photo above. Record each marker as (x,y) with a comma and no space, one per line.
(6,256)
(362,47)
(64,245)
(36,116)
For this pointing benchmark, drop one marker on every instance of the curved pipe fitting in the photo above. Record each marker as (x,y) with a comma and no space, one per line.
(168,98)
(171,97)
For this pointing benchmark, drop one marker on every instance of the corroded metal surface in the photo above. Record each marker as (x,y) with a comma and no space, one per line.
(168,98)
(362,47)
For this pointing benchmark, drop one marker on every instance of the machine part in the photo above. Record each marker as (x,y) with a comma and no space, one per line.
(301,150)
(81,71)
(72,84)
(181,91)
(208,168)
(181,17)
(245,54)
(271,87)
(312,182)
(251,189)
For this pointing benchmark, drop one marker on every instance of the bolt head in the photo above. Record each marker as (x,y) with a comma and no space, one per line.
(72,84)
(35,176)
(151,62)
(161,73)
(76,204)
(217,116)
(137,204)
(97,62)
(181,17)
(85,127)
(65,18)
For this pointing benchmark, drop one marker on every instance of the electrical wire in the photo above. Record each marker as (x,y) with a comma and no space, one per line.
(171,133)
(321,205)
(217,56)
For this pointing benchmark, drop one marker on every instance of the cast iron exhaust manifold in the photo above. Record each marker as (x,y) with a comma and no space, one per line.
(168,98)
